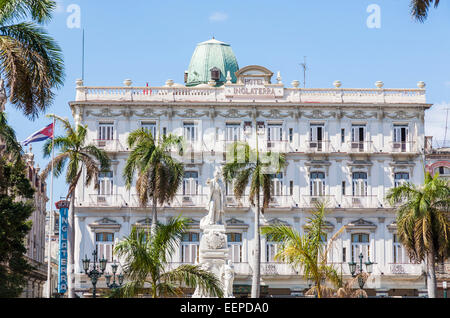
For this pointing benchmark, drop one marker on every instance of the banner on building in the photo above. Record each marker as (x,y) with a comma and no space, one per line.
(63,207)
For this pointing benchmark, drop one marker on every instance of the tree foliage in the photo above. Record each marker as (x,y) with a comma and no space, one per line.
(15,209)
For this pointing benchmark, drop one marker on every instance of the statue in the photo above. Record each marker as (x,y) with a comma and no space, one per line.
(227,276)
(216,202)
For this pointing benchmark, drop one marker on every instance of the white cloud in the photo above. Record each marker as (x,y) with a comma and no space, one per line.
(435,119)
(218,17)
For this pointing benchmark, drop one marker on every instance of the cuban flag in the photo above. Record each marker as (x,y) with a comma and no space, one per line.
(41,135)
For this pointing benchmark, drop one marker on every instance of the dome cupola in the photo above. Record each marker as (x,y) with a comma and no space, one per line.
(211,61)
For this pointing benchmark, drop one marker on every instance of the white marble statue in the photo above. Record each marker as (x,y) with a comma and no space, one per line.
(216,202)
(227,277)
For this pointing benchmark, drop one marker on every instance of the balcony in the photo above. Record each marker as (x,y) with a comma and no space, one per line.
(110,145)
(358,202)
(277,269)
(361,147)
(403,269)
(310,201)
(199,200)
(403,147)
(102,200)
(280,146)
(319,146)
(232,201)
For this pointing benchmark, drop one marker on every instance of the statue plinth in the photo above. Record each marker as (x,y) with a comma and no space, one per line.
(214,252)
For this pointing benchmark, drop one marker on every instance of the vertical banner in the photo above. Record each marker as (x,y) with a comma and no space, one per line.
(63,207)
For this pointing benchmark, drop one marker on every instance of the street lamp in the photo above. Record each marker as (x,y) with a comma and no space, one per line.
(369,269)
(108,278)
(96,272)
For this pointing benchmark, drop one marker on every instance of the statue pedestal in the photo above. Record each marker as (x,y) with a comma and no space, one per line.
(213,253)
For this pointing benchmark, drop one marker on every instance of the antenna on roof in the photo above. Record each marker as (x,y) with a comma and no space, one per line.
(82,58)
(446,129)
(305,68)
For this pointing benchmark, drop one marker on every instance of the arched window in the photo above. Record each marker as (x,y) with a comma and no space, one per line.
(359,184)
(235,246)
(190,243)
(317,184)
(360,244)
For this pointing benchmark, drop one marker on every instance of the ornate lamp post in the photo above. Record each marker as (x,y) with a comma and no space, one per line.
(353,271)
(96,272)
(108,278)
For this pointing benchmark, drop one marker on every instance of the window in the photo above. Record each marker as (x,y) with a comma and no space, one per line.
(291,134)
(316,136)
(291,188)
(248,127)
(399,254)
(235,246)
(106,131)
(358,137)
(342,135)
(401,178)
(360,244)
(151,126)
(317,184)
(275,132)
(271,250)
(443,171)
(344,255)
(190,243)
(190,183)
(400,137)
(233,132)
(104,243)
(105,183)
(343,187)
(190,132)
(277,184)
(164,131)
(359,184)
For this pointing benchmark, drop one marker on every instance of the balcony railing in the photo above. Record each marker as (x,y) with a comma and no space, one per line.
(282,201)
(369,201)
(277,269)
(403,269)
(111,200)
(360,147)
(110,145)
(403,147)
(312,200)
(198,200)
(319,146)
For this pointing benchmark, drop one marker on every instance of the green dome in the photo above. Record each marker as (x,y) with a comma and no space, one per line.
(208,55)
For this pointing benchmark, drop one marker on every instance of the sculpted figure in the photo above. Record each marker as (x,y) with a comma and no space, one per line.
(216,202)
(227,276)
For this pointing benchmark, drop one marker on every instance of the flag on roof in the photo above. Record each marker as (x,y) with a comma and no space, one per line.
(41,135)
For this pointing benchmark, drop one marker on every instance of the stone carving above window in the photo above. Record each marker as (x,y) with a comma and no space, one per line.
(105,224)
(361,224)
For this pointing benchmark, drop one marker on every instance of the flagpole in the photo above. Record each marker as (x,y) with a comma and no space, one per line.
(50,225)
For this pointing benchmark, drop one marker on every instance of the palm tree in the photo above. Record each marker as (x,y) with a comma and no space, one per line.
(8,143)
(31,63)
(419,8)
(422,222)
(79,158)
(309,251)
(159,175)
(257,170)
(146,259)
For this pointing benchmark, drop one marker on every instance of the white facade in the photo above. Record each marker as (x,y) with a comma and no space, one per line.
(349,146)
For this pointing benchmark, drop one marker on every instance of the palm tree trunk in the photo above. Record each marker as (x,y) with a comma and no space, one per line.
(431,275)
(154,216)
(71,249)
(256,278)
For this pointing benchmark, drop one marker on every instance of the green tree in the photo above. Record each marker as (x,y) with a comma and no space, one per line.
(14,226)
(159,175)
(79,157)
(309,251)
(420,8)
(146,262)
(247,166)
(31,62)
(422,222)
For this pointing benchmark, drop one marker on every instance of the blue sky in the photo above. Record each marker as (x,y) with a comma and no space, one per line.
(152,41)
